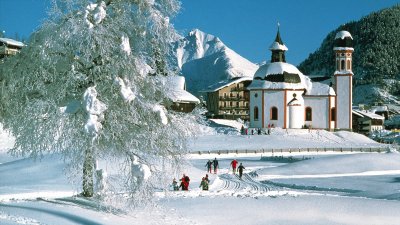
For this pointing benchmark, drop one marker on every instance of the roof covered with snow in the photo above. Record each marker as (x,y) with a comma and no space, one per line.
(343,34)
(12,42)
(226,83)
(276,46)
(368,114)
(320,89)
(261,80)
(177,92)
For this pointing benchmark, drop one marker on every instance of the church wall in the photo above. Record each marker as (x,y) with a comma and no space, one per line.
(343,85)
(256,100)
(320,113)
(274,99)
(289,97)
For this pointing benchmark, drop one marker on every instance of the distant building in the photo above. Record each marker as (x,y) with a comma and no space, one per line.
(229,99)
(9,47)
(366,121)
(182,101)
(280,95)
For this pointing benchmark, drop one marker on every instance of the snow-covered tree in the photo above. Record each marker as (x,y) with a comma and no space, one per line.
(88,86)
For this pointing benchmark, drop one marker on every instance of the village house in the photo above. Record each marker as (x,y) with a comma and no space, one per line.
(182,101)
(365,122)
(229,99)
(9,47)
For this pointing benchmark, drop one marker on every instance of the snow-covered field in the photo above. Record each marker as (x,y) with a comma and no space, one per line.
(279,188)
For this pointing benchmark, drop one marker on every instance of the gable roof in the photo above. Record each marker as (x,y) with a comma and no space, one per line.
(226,83)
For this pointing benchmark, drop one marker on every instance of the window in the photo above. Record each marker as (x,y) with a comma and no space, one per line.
(225,95)
(230,103)
(255,95)
(348,64)
(274,113)
(255,113)
(231,94)
(337,65)
(237,104)
(308,114)
(342,65)
(333,114)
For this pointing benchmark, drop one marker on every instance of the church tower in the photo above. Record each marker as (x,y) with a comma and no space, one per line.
(343,80)
(278,49)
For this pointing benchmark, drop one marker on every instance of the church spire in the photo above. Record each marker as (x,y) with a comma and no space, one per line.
(278,49)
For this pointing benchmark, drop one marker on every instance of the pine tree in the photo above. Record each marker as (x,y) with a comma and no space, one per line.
(82,88)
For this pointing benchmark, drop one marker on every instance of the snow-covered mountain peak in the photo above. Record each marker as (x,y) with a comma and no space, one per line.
(204,60)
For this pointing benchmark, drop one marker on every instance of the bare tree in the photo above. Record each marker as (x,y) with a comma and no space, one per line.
(82,88)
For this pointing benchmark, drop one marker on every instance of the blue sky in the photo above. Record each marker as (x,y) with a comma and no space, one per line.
(246,26)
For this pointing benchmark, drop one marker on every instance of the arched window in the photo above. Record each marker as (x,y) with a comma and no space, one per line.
(255,113)
(348,64)
(337,65)
(333,114)
(308,114)
(342,65)
(274,113)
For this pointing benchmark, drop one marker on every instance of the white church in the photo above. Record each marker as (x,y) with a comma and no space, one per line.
(281,96)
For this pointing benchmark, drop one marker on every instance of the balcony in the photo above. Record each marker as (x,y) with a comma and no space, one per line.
(233,98)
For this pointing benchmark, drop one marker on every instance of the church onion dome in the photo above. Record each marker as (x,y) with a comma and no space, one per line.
(343,41)
(279,75)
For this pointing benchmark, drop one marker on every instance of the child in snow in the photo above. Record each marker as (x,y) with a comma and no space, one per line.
(204,184)
(175,185)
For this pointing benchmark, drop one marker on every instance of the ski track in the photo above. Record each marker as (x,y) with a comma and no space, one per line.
(234,183)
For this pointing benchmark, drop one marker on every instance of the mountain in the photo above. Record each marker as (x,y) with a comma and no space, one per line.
(376,56)
(204,60)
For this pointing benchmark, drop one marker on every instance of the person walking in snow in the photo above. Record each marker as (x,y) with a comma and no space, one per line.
(240,169)
(234,164)
(185,183)
(259,131)
(204,184)
(269,129)
(215,164)
(242,130)
(209,165)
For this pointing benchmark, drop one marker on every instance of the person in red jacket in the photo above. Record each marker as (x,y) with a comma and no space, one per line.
(185,183)
(234,164)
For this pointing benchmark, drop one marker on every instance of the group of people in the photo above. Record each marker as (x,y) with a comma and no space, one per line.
(185,180)
(253,131)
(240,168)
(212,164)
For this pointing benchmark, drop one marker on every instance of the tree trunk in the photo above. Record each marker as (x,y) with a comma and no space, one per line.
(88,167)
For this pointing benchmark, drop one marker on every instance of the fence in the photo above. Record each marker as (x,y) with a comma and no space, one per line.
(293,150)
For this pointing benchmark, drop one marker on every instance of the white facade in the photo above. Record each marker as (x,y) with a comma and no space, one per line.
(283,97)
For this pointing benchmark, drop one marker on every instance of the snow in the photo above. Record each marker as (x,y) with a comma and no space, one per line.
(343,34)
(225,83)
(125,46)
(126,92)
(319,188)
(161,113)
(177,92)
(369,114)
(276,46)
(343,48)
(321,89)
(12,42)
(94,109)
(95,14)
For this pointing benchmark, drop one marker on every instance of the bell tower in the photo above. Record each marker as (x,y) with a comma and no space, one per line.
(343,80)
